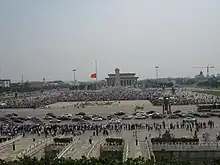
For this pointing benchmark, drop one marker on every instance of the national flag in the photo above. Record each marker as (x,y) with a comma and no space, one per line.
(93,75)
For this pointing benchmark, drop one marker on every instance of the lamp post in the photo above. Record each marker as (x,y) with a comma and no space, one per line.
(74,75)
(157,71)
(157,75)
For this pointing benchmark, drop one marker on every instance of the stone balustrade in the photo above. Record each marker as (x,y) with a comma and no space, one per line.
(10,141)
(186,146)
(32,148)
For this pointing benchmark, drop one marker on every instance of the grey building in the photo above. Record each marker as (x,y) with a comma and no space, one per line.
(121,79)
(5,83)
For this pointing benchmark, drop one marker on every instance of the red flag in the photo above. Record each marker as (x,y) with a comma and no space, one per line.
(93,75)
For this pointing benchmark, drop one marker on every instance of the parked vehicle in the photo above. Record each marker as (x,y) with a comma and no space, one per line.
(96,119)
(157,116)
(204,115)
(173,116)
(81,114)
(67,115)
(63,118)
(115,121)
(189,119)
(127,117)
(119,113)
(55,121)
(51,114)
(140,117)
(46,117)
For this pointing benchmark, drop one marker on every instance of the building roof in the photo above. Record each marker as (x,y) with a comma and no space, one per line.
(128,77)
(123,74)
(91,82)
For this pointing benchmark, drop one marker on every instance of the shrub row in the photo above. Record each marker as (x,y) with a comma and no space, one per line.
(117,141)
(63,140)
(174,140)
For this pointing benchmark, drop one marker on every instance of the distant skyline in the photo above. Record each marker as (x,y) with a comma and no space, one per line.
(49,38)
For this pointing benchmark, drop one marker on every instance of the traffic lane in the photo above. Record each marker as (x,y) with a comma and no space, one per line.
(105,111)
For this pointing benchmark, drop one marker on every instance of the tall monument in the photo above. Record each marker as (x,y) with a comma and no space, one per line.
(117,77)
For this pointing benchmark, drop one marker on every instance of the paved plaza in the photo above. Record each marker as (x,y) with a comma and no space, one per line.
(82,147)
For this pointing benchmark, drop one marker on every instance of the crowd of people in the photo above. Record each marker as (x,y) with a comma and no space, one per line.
(13,130)
(177,97)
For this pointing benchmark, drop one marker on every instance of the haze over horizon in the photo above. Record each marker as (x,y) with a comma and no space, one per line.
(49,38)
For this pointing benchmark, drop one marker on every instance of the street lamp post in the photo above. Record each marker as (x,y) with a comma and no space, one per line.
(157,71)
(157,75)
(74,75)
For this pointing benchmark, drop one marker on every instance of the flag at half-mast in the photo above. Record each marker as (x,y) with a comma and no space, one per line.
(93,75)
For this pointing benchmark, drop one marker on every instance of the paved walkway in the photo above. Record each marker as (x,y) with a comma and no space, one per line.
(8,153)
(83,148)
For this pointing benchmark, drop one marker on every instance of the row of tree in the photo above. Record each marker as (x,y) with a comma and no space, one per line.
(97,161)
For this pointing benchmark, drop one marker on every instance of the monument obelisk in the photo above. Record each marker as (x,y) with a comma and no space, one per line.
(117,78)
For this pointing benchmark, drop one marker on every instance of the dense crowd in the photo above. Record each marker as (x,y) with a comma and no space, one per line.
(78,129)
(177,97)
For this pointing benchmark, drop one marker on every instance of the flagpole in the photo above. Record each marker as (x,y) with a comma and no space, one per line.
(96,69)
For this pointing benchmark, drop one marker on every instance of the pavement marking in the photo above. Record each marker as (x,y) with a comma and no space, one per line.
(138,151)
(95,147)
(67,148)
(126,152)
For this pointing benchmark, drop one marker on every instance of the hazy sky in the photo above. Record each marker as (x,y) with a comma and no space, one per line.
(49,38)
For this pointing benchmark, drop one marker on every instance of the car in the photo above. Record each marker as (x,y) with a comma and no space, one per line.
(109,117)
(55,121)
(177,111)
(213,114)
(115,121)
(127,117)
(87,117)
(67,115)
(46,117)
(76,119)
(157,116)
(96,119)
(119,113)
(139,117)
(150,112)
(17,120)
(51,114)
(189,119)
(173,116)
(216,110)
(188,115)
(204,115)
(64,118)
(81,114)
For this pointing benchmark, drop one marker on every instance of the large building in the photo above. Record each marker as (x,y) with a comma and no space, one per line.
(121,79)
(6,83)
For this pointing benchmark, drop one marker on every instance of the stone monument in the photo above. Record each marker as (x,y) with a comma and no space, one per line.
(117,78)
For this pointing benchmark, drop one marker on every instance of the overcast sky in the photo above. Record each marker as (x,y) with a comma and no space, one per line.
(49,38)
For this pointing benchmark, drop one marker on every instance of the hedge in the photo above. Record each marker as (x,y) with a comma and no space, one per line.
(114,141)
(175,140)
(99,161)
(63,140)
